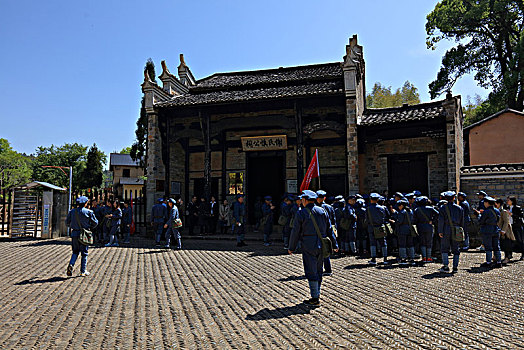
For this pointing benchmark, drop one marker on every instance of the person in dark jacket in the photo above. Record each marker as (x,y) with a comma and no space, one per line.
(116,221)
(321,201)
(213,215)
(172,231)
(450,216)
(158,219)
(192,214)
(267,210)
(403,219)
(490,233)
(375,219)
(517,223)
(239,220)
(304,231)
(127,220)
(203,215)
(77,219)
(424,217)
(467,218)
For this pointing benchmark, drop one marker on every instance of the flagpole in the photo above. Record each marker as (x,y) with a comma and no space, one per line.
(318,168)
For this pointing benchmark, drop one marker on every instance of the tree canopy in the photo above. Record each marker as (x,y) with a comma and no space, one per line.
(92,173)
(14,167)
(383,97)
(489,37)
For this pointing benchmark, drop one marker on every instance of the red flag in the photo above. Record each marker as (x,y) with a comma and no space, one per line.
(312,172)
(132,227)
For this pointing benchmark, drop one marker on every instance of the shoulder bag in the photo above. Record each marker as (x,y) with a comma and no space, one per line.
(378,232)
(412,228)
(327,245)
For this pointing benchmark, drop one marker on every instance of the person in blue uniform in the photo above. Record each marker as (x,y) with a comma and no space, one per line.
(78,218)
(456,214)
(285,210)
(106,210)
(172,231)
(267,211)
(424,217)
(127,220)
(239,214)
(321,198)
(158,219)
(461,196)
(411,201)
(490,233)
(349,213)
(97,210)
(338,205)
(362,233)
(375,218)
(304,231)
(116,220)
(403,218)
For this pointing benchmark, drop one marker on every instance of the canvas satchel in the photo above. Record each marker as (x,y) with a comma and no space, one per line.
(327,245)
(378,232)
(86,236)
(457,232)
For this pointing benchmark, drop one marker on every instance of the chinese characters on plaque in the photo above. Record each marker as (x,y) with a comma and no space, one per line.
(264,143)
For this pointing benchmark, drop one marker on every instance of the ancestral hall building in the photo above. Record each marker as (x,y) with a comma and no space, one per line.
(254,132)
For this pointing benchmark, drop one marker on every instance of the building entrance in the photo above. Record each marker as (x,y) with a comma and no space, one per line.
(265,177)
(408,172)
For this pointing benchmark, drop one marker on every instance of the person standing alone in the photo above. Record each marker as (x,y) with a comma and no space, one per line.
(77,219)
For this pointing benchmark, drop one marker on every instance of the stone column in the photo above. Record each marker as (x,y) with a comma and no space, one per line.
(454,140)
(354,86)
(155,170)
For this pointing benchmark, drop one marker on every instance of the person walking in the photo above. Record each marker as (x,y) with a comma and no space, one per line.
(224,216)
(77,219)
(451,216)
(171,225)
(517,222)
(490,233)
(239,213)
(116,218)
(506,231)
(321,202)
(310,223)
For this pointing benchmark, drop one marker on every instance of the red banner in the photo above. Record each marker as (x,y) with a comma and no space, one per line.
(312,172)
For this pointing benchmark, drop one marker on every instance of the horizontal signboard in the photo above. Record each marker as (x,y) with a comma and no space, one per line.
(264,143)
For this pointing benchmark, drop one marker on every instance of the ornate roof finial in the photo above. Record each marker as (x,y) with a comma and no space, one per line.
(146,77)
(164,67)
(182,62)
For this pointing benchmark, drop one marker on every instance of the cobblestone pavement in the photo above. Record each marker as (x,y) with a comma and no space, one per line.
(213,295)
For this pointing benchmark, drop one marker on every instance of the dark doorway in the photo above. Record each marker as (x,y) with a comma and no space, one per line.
(408,172)
(333,184)
(265,177)
(199,187)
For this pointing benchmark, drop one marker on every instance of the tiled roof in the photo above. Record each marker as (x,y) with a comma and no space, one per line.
(131,181)
(492,168)
(424,111)
(122,159)
(224,96)
(301,81)
(272,76)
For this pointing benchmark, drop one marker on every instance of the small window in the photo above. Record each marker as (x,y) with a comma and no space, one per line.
(236,183)
(160,185)
(126,173)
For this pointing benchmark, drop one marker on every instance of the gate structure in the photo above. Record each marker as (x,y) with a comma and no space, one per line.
(27,216)
(6,211)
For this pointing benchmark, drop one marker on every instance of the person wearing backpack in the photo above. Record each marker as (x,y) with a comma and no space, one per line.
(450,221)
(310,225)
(77,219)
(375,222)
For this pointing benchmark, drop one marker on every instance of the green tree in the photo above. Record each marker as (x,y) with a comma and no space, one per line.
(126,150)
(92,173)
(138,149)
(14,167)
(383,97)
(66,155)
(489,37)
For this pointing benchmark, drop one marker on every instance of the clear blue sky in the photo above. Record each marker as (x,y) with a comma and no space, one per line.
(71,70)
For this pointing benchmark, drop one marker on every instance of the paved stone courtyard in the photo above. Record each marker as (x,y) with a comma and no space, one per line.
(214,295)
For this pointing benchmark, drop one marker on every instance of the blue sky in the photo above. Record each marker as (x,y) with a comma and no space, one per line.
(71,70)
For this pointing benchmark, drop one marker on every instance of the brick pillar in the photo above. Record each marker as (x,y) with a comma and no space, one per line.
(454,141)
(155,170)
(352,146)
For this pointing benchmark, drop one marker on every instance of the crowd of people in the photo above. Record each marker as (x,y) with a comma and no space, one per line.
(409,229)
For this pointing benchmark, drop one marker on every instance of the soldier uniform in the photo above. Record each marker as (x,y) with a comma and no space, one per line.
(239,213)
(286,212)
(377,213)
(467,218)
(490,232)
(362,233)
(158,218)
(349,213)
(267,212)
(321,196)
(127,220)
(444,229)
(170,225)
(403,217)
(424,216)
(338,206)
(77,219)
(304,231)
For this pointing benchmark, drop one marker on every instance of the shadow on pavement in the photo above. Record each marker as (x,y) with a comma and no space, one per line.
(357,266)
(281,312)
(47,280)
(437,274)
(292,278)
(47,242)
(478,269)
